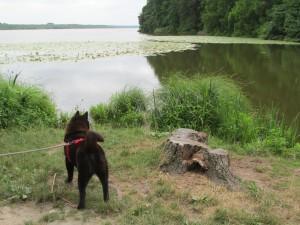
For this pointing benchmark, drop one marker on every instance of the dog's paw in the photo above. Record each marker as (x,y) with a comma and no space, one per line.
(80,207)
(68,181)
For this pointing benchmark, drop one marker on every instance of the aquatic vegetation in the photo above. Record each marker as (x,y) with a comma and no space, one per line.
(28,52)
(197,39)
(82,50)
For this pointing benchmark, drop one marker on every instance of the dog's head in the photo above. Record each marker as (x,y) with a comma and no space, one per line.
(77,127)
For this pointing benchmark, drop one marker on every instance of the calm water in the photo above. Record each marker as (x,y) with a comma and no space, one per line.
(87,83)
(269,73)
(117,34)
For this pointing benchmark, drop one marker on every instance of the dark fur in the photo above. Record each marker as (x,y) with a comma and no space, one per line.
(87,156)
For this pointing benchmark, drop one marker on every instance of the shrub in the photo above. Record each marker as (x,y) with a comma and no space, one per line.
(23,105)
(99,113)
(273,132)
(124,108)
(127,101)
(132,119)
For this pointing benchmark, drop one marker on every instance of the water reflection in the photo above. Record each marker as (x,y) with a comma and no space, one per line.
(269,73)
(87,83)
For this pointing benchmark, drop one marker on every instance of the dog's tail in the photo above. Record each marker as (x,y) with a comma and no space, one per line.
(92,138)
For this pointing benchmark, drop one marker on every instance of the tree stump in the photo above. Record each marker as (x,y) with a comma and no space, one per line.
(188,150)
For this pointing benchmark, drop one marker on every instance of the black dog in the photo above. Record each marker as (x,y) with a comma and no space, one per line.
(86,155)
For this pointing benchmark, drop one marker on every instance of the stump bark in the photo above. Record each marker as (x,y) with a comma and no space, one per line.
(187,150)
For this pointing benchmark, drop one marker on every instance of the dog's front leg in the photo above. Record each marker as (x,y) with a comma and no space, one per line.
(70,169)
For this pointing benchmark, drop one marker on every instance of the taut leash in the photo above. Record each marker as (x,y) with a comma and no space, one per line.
(35,150)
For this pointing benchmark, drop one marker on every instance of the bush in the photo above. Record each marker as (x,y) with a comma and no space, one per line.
(124,108)
(23,105)
(99,113)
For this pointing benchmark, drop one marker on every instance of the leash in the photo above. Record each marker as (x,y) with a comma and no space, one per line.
(35,150)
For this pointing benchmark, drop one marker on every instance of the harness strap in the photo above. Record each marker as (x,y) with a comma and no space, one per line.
(67,150)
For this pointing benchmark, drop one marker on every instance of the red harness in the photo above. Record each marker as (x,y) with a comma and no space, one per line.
(67,151)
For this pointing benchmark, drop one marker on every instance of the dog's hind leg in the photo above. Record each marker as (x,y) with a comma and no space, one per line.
(103,177)
(70,169)
(83,180)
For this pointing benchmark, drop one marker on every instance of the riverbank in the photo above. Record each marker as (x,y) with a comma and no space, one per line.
(140,193)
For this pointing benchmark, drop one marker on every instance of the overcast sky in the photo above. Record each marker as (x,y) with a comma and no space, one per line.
(109,12)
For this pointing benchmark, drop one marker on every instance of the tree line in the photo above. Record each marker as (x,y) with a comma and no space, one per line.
(5,26)
(267,19)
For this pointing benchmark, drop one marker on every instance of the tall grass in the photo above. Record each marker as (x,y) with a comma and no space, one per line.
(217,105)
(214,104)
(23,105)
(124,108)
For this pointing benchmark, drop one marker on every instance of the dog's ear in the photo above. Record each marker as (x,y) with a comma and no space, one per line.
(76,114)
(86,115)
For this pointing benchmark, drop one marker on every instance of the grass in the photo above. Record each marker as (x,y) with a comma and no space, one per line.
(23,105)
(140,194)
(210,103)
(124,108)
(213,104)
(217,105)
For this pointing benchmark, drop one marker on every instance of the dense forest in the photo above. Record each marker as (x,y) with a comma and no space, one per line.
(267,19)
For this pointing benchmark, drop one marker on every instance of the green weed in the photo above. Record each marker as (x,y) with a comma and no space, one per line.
(164,190)
(29,223)
(254,191)
(23,105)
(133,156)
(218,106)
(153,213)
(214,104)
(99,113)
(124,108)
(52,217)
(224,216)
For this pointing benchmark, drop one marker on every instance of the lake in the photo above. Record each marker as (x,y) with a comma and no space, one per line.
(85,67)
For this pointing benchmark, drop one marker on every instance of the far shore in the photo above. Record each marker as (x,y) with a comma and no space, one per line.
(5,26)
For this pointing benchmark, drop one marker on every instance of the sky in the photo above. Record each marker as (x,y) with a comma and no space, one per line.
(106,12)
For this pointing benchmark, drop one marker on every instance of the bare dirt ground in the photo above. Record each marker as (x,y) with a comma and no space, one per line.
(247,168)
(31,213)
